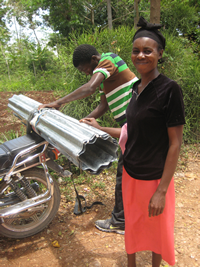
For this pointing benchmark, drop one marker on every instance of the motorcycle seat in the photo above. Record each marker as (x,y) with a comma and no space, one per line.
(11,148)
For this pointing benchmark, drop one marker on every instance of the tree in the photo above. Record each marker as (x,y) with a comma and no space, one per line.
(136,9)
(65,16)
(23,13)
(155,11)
(180,17)
(109,11)
(4,33)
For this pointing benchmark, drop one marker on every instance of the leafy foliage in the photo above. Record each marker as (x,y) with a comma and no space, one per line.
(182,17)
(4,33)
(64,16)
(26,65)
(56,71)
(183,66)
(67,16)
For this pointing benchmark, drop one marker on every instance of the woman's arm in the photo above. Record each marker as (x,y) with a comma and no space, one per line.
(157,202)
(114,132)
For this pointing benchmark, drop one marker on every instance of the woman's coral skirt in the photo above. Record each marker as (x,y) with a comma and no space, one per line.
(141,231)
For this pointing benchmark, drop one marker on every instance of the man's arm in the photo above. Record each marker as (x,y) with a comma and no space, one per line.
(100,109)
(82,92)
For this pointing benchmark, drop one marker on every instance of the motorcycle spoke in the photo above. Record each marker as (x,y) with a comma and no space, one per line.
(10,221)
(35,218)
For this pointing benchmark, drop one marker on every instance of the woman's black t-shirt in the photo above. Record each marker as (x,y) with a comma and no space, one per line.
(159,106)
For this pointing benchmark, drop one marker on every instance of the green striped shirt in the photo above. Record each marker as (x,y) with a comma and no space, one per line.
(117,85)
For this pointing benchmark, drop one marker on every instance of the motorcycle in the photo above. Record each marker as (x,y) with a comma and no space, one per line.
(29,195)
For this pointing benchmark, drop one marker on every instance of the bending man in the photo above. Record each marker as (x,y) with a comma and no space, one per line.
(112,75)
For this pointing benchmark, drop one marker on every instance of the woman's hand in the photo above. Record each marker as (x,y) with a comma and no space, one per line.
(156,204)
(114,132)
(91,122)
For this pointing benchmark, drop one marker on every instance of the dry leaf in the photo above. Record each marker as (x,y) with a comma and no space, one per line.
(55,244)
(72,232)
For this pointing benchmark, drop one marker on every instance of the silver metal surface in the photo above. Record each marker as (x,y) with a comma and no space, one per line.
(23,106)
(33,202)
(21,206)
(87,147)
(16,164)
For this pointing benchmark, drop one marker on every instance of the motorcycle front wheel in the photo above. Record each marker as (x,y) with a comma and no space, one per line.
(28,223)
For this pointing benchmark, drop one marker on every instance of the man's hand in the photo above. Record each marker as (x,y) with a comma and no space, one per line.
(50,105)
(91,121)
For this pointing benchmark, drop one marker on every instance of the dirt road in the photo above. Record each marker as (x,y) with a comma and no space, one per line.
(80,243)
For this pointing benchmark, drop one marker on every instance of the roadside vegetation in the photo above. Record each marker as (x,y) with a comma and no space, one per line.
(35,68)
(28,65)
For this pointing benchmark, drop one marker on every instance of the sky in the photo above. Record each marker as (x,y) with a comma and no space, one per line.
(41,32)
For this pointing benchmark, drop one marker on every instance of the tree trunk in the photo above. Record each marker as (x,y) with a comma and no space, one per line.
(16,31)
(92,16)
(136,11)
(15,23)
(36,36)
(155,11)
(34,69)
(109,12)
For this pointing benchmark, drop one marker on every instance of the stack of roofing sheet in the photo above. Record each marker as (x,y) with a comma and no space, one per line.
(87,147)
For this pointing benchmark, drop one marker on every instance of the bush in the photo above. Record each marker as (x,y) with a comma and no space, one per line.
(181,65)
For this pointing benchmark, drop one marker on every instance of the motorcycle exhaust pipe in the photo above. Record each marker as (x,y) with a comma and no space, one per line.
(22,206)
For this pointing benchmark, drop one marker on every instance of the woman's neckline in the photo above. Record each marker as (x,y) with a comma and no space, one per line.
(139,91)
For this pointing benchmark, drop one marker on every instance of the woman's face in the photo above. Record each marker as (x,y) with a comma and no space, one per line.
(145,55)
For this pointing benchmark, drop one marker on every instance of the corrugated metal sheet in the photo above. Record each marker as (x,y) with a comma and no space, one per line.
(87,147)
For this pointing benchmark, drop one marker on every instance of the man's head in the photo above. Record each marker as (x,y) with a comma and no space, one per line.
(86,58)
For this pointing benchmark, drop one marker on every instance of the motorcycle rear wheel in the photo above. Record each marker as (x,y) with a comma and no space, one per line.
(28,223)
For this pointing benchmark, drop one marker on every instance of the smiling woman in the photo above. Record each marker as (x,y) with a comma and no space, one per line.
(152,139)
(155,118)
(145,56)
